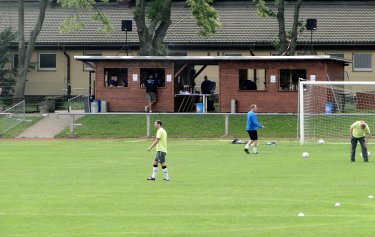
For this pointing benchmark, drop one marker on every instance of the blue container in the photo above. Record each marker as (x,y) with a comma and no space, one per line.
(328,108)
(99,105)
(199,107)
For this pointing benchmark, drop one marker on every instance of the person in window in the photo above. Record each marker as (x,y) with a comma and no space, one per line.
(159,81)
(206,86)
(250,85)
(150,85)
(113,82)
(125,81)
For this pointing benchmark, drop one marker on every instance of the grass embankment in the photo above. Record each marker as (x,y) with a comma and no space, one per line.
(183,126)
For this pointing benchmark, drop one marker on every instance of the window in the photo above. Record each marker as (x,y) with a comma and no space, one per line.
(15,60)
(336,55)
(157,73)
(87,67)
(116,77)
(252,79)
(289,79)
(362,62)
(232,54)
(47,62)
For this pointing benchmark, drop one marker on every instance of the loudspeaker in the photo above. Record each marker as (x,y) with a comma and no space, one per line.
(126,25)
(311,24)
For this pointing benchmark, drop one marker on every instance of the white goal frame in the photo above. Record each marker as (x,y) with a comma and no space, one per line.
(301,112)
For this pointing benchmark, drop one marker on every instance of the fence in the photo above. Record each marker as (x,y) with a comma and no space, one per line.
(12,116)
(80,102)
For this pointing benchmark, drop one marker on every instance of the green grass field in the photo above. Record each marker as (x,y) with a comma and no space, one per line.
(81,188)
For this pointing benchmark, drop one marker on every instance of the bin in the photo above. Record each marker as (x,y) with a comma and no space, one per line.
(94,106)
(103,106)
(328,108)
(86,104)
(233,106)
(199,107)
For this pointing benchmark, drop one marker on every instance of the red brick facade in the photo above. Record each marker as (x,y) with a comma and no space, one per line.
(271,100)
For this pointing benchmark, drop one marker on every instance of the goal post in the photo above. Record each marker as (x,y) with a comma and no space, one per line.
(326,109)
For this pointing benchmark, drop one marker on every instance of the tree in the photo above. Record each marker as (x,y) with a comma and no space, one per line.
(25,51)
(287,41)
(152,18)
(7,75)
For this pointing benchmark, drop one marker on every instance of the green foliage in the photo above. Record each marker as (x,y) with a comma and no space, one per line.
(7,74)
(70,23)
(73,22)
(263,10)
(107,26)
(96,188)
(154,8)
(206,16)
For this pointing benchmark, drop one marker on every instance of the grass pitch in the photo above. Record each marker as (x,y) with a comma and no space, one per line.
(98,188)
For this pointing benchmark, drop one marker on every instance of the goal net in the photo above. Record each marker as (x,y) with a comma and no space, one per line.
(328,108)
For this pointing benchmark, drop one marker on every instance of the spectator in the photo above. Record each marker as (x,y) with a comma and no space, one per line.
(150,85)
(206,86)
(250,85)
(113,82)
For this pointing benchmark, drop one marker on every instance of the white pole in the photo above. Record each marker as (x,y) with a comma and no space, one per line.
(226,130)
(148,127)
(301,113)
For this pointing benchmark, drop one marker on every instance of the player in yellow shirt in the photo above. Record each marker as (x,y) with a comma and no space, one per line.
(359,131)
(161,151)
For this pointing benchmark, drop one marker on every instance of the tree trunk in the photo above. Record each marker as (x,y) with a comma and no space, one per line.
(24,52)
(151,38)
(282,32)
(294,35)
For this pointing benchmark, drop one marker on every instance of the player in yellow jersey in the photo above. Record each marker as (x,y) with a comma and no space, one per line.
(359,131)
(161,151)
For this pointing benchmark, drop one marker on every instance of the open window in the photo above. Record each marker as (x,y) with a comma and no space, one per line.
(289,79)
(252,79)
(157,73)
(116,77)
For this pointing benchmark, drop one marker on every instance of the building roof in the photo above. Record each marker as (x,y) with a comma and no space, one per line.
(208,59)
(339,24)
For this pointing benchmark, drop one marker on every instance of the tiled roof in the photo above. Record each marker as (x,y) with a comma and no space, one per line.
(343,23)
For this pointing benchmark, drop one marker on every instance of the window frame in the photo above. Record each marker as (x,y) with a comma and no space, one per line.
(362,69)
(44,68)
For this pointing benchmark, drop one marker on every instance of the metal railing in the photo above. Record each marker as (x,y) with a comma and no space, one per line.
(79,102)
(74,116)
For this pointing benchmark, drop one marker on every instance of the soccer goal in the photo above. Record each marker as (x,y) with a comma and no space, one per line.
(328,108)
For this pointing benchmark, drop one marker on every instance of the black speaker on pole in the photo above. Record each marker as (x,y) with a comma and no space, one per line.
(126,25)
(311,24)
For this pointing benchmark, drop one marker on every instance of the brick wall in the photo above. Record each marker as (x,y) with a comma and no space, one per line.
(271,100)
(133,97)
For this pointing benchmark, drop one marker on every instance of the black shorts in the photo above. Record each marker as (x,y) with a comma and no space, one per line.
(253,134)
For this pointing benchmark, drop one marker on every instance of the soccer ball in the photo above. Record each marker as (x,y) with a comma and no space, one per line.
(368,153)
(305,155)
(321,141)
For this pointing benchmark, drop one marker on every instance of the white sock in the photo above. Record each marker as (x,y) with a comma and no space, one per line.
(247,146)
(154,172)
(165,171)
(254,149)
